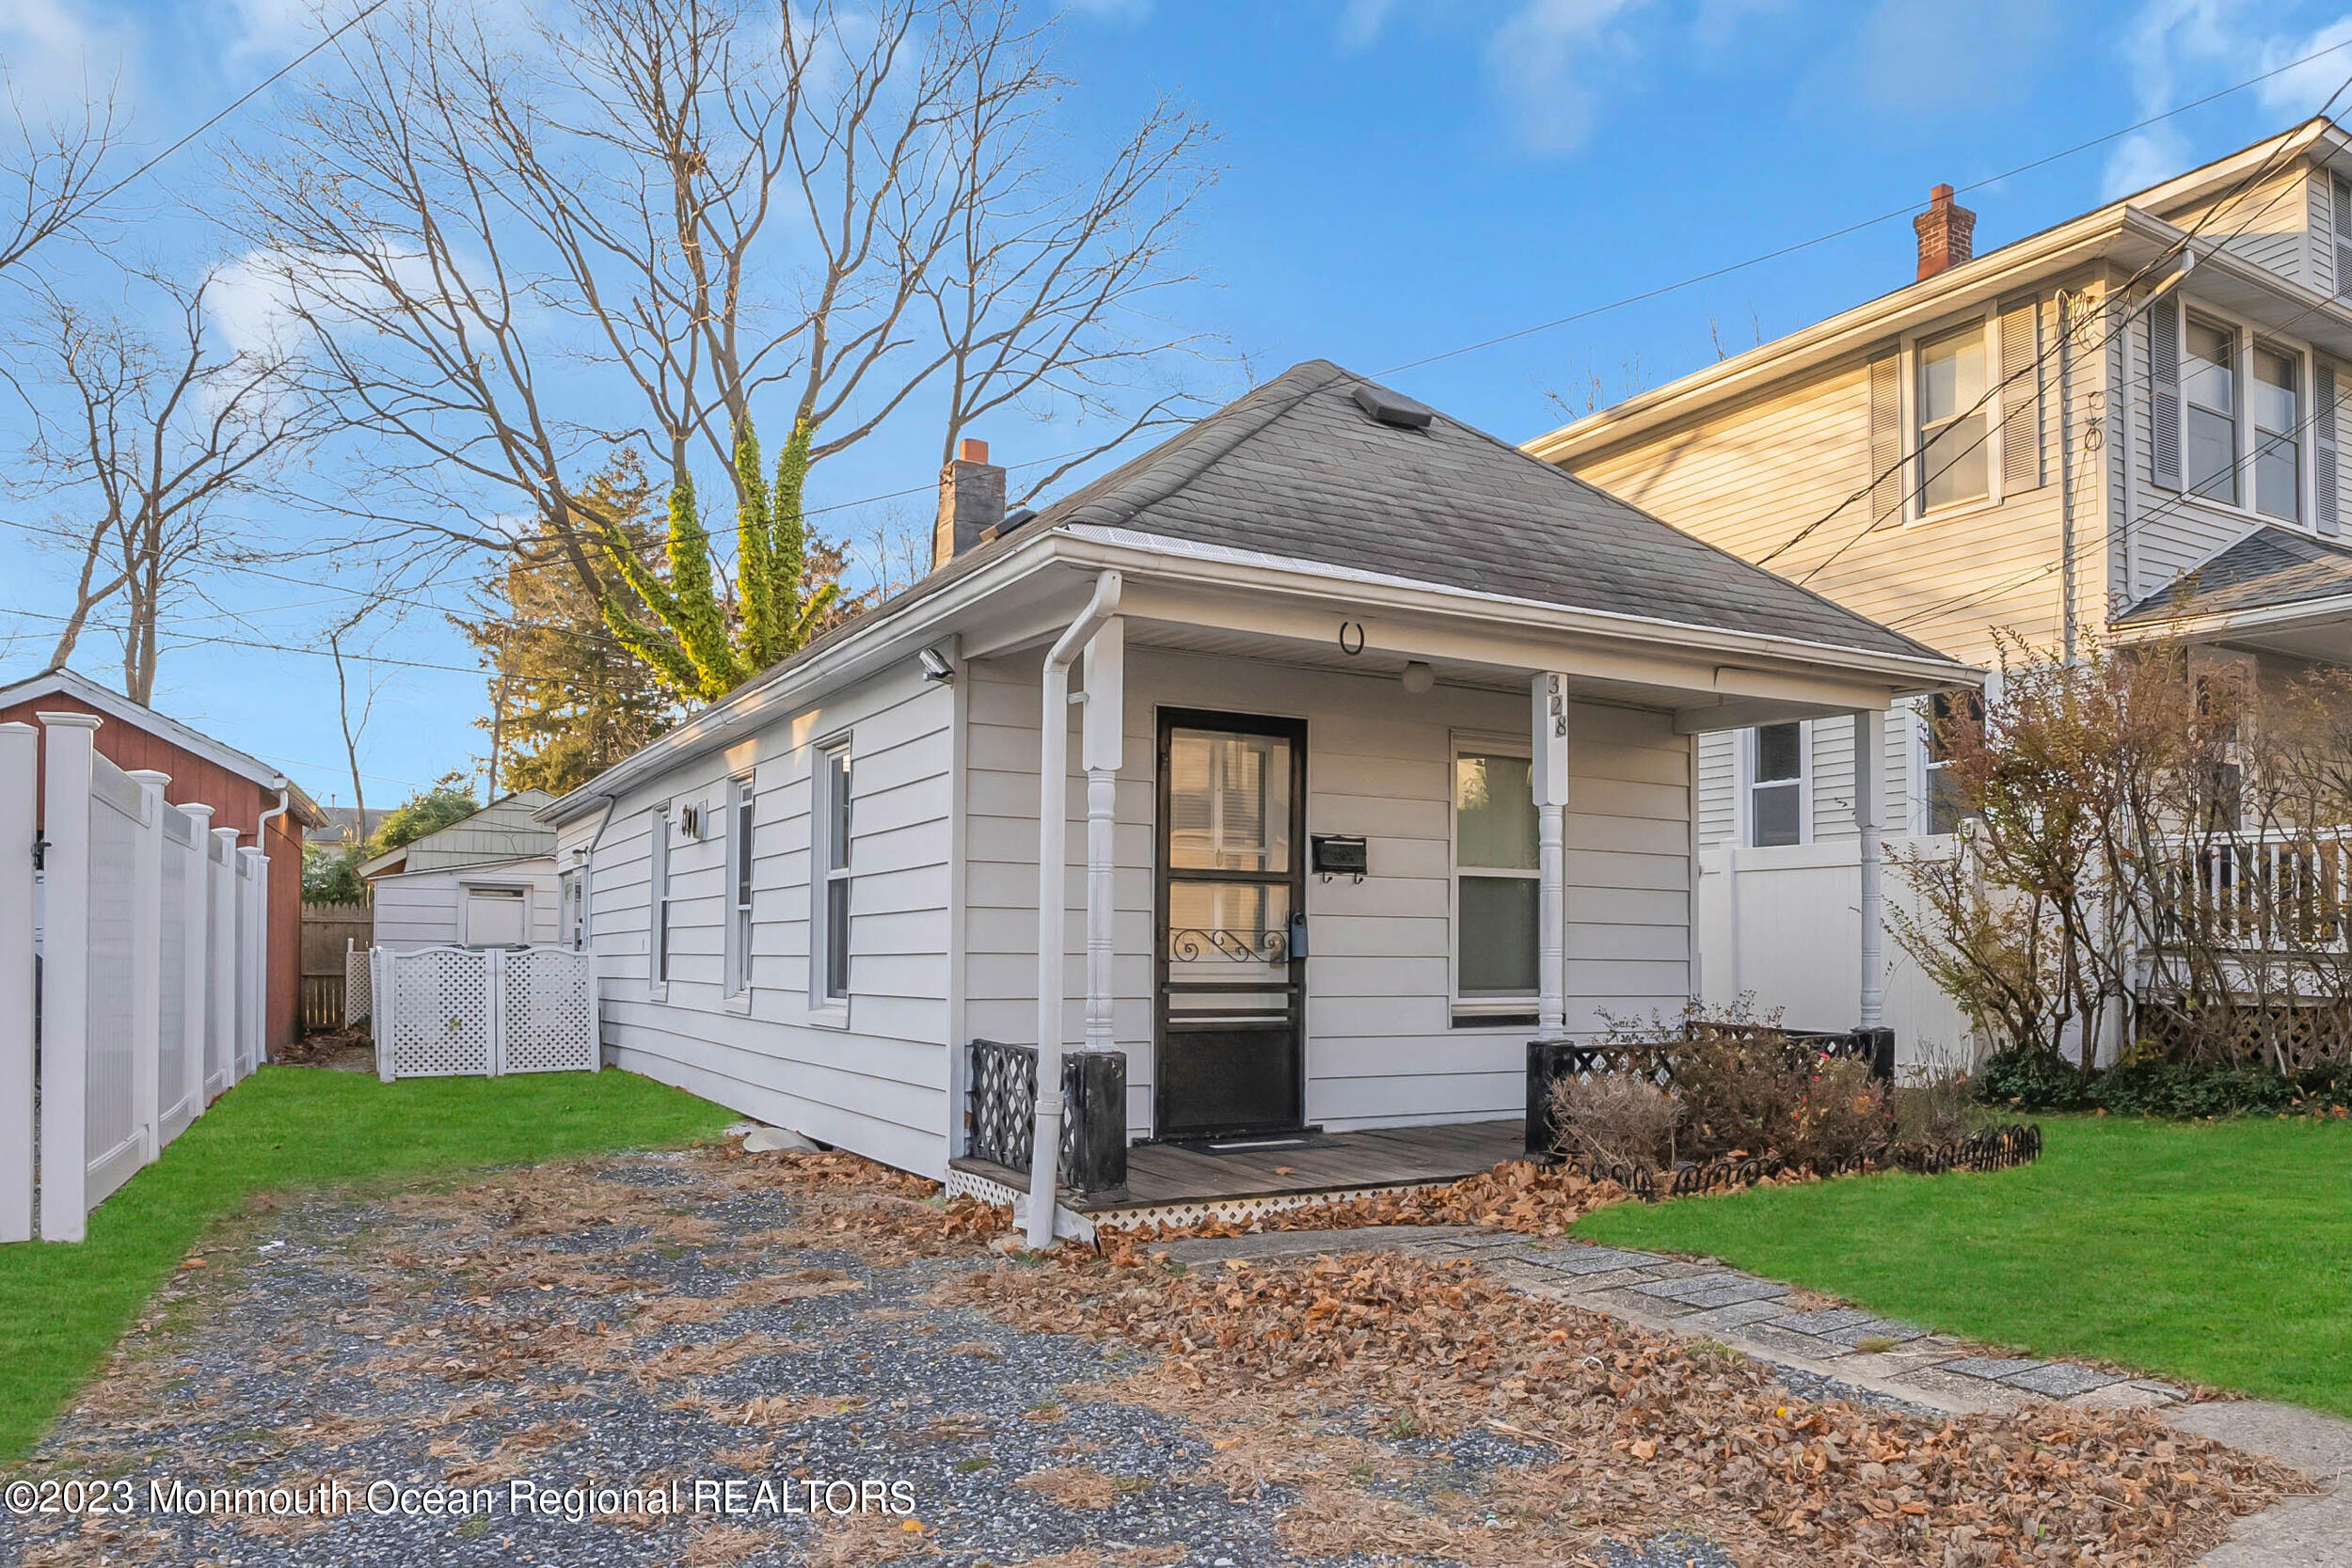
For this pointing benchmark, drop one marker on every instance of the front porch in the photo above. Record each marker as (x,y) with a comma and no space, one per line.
(1279,1171)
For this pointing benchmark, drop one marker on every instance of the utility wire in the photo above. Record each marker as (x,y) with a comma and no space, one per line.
(2033,368)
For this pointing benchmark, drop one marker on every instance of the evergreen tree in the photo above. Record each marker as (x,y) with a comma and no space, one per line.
(569,695)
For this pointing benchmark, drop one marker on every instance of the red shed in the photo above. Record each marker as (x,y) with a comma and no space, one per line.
(243,792)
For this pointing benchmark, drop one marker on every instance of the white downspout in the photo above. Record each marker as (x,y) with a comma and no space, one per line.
(261,839)
(1053,772)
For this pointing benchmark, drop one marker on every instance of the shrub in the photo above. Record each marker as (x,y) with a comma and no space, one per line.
(1843,1116)
(1929,1106)
(2145,1083)
(1615,1118)
(2032,1079)
(1739,1096)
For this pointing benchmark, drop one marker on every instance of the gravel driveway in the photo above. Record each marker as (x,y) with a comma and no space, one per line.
(700,1363)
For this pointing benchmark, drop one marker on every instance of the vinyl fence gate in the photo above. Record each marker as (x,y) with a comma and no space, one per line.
(444,1012)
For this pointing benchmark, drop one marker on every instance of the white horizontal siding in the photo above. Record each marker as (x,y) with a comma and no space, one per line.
(1379,1049)
(427,909)
(879,1086)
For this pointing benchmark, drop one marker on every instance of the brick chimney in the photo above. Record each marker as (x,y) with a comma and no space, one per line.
(1948,233)
(970,500)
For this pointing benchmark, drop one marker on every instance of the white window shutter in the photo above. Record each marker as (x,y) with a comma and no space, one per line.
(1887,438)
(2022,462)
(2325,477)
(2164,393)
(2343,192)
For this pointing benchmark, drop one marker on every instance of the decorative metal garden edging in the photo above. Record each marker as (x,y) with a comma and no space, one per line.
(1990,1149)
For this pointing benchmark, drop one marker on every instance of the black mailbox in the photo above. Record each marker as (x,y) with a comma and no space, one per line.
(1340,855)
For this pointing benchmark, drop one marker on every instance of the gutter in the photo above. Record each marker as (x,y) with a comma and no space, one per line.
(588,878)
(784,690)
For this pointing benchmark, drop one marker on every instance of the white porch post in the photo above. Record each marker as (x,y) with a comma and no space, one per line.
(1549,778)
(19,774)
(1869,767)
(1053,832)
(197,915)
(1100,748)
(69,744)
(147,965)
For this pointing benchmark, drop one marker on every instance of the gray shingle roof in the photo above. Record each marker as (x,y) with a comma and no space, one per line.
(2269,566)
(1297,469)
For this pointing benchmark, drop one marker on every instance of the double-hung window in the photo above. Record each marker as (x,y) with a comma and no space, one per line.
(1954,465)
(2277,404)
(1776,785)
(658,880)
(1941,808)
(740,887)
(829,877)
(1496,876)
(2209,392)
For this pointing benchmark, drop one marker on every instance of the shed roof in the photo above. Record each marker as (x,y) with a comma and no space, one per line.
(506,829)
(114,705)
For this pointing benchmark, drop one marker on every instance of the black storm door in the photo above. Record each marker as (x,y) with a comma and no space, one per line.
(1231,1008)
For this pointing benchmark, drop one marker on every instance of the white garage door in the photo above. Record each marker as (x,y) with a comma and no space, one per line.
(496,916)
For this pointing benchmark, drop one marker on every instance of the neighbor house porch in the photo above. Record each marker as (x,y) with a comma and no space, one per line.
(1339,858)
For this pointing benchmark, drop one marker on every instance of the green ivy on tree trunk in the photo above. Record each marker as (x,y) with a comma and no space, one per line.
(699,646)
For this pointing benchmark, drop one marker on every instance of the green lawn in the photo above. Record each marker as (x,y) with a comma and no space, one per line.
(2215,1251)
(63,1306)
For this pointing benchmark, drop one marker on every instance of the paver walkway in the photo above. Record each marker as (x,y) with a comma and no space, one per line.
(1845,1352)
(1762,1318)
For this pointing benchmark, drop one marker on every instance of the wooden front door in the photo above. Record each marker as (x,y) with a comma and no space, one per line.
(1230,1029)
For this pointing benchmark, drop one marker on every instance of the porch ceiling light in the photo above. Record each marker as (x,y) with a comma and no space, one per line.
(1419,677)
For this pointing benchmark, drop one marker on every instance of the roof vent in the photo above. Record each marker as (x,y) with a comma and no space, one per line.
(1390,409)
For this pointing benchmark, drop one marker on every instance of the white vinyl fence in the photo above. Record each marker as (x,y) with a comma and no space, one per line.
(131,972)
(441,1012)
(1783,924)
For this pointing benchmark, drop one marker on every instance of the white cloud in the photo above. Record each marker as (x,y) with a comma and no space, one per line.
(1547,61)
(1127,12)
(1361,22)
(2174,49)
(57,57)
(1919,57)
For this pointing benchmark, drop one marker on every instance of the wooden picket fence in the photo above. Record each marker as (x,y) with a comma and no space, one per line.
(133,936)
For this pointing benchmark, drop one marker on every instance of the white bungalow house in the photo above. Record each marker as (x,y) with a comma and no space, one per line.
(487,881)
(1374,738)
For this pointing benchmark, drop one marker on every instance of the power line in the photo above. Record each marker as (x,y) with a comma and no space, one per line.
(255,91)
(1865,223)
(2034,368)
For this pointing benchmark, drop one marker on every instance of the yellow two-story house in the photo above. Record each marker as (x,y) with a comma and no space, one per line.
(2121,424)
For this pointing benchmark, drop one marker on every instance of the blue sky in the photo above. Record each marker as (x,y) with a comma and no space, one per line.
(1398,181)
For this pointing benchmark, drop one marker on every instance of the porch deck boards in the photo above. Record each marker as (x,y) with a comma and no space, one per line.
(1159,1174)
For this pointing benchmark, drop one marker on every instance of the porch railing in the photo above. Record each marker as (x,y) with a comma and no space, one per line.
(2259,893)
(1000,1113)
(1551,1061)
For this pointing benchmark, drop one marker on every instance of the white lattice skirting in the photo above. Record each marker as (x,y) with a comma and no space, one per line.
(1227,1210)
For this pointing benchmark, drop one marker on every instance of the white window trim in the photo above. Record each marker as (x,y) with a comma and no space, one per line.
(1484,744)
(2246,336)
(571,909)
(657,900)
(742,918)
(1916,507)
(825,1009)
(1747,785)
